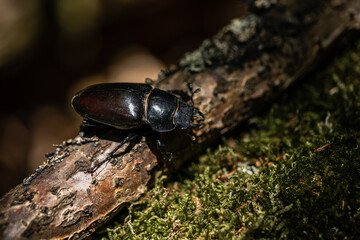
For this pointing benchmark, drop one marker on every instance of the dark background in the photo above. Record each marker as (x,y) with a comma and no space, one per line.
(51,49)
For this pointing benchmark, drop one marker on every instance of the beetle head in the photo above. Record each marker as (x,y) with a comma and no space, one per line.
(197,119)
(187,116)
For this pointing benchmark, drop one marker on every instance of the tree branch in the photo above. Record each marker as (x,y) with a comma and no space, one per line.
(246,65)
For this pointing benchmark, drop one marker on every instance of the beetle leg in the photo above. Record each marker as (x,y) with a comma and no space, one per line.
(165,154)
(88,123)
(128,138)
(191,135)
(149,81)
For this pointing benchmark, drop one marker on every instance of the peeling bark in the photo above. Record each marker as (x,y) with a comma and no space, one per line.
(246,65)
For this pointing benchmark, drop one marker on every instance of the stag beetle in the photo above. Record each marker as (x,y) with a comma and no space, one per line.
(131,105)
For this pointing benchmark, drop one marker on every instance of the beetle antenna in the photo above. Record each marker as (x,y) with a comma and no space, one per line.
(192,95)
(190,86)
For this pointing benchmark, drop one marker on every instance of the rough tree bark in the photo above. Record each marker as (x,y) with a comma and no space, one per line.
(247,64)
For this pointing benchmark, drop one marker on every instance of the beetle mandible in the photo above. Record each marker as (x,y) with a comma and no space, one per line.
(131,105)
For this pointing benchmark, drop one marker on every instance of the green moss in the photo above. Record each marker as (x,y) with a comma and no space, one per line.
(294,173)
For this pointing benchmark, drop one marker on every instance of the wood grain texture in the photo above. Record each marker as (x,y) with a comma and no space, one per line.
(241,69)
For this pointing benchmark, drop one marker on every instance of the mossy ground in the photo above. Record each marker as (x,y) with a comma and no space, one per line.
(294,172)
